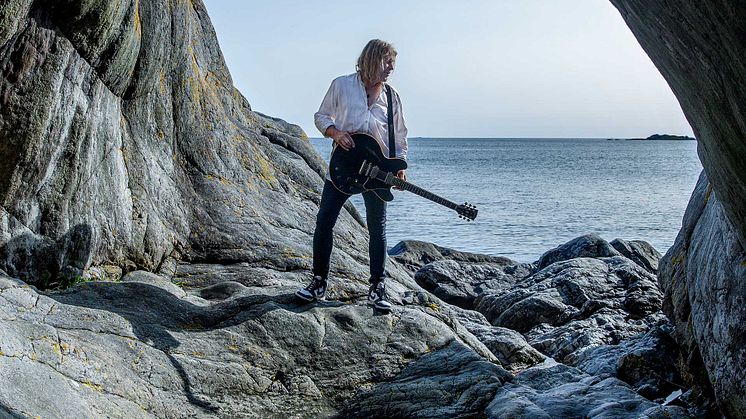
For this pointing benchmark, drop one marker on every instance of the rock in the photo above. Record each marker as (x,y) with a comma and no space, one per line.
(649,362)
(460,283)
(448,383)
(590,246)
(528,311)
(139,347)
(607,327)
(222,290)
(575,304)
(154,280)
(703,277)
(414,254)
(509,346)
(697,48)
(104,273)
(640,252)
(124,142)
(554,390)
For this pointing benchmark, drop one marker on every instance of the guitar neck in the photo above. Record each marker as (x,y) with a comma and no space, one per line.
(392,180)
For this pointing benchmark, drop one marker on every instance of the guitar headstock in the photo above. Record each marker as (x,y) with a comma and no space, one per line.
(467,211)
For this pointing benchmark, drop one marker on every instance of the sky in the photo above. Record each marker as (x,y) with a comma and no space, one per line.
(468,68)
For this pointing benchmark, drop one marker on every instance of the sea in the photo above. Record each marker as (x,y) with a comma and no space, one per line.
(535,194)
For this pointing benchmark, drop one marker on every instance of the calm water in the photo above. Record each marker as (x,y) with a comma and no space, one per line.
(534,194)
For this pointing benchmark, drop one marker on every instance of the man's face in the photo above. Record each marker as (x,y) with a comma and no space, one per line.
(387,67)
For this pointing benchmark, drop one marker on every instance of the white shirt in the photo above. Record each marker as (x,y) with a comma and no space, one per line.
(346,107)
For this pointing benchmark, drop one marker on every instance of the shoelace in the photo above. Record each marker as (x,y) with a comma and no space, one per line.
(380,291)
(316,283)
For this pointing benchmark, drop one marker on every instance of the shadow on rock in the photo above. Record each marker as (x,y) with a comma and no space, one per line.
(154,312)
(42,261)
(9,413)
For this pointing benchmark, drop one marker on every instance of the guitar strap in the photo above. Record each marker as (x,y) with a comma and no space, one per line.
(390,111)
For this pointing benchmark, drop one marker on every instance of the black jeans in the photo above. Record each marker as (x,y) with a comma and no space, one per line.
(332,201)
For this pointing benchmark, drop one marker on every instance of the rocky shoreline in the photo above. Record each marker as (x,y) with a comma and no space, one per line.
(578,333)
(135,173)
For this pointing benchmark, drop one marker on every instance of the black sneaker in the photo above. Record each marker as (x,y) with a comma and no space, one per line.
(377,296)
(316,290)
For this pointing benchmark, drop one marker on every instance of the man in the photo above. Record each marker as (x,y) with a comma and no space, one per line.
(357,103)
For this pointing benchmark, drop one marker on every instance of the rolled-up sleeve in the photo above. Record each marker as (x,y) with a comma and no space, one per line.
(324,118)
(400,132)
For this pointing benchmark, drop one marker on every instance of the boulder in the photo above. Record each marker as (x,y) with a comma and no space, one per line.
(461,283)
(414,254)
(552,390)
(648,362)
(447,383)
(588,246)
(509,346)
(640,252)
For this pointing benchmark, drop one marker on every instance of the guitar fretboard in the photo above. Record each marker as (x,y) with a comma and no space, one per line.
(392,180)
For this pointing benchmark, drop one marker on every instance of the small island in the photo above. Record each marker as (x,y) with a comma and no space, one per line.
(657,137)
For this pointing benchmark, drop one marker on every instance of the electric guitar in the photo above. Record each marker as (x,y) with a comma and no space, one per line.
(365,168)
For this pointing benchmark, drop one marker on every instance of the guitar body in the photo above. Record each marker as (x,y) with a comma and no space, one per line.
(344,167)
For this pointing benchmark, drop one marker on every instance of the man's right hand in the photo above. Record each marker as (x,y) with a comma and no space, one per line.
(342,138)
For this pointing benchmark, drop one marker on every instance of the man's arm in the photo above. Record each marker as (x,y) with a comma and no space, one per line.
(325,118)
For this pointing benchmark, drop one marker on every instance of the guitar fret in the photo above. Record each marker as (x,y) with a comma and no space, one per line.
(395,181)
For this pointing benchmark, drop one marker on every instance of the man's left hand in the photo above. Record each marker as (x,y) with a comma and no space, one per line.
(401,174)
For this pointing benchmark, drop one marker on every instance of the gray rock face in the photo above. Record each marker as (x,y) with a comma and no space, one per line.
(145,348)
(640,252)
(559,391)
(125,143)
(704,277)
(699,47)
(649,363)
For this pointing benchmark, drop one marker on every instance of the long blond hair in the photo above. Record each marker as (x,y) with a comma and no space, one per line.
(372,57)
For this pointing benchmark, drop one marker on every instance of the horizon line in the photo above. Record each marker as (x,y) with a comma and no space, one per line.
(531,138)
